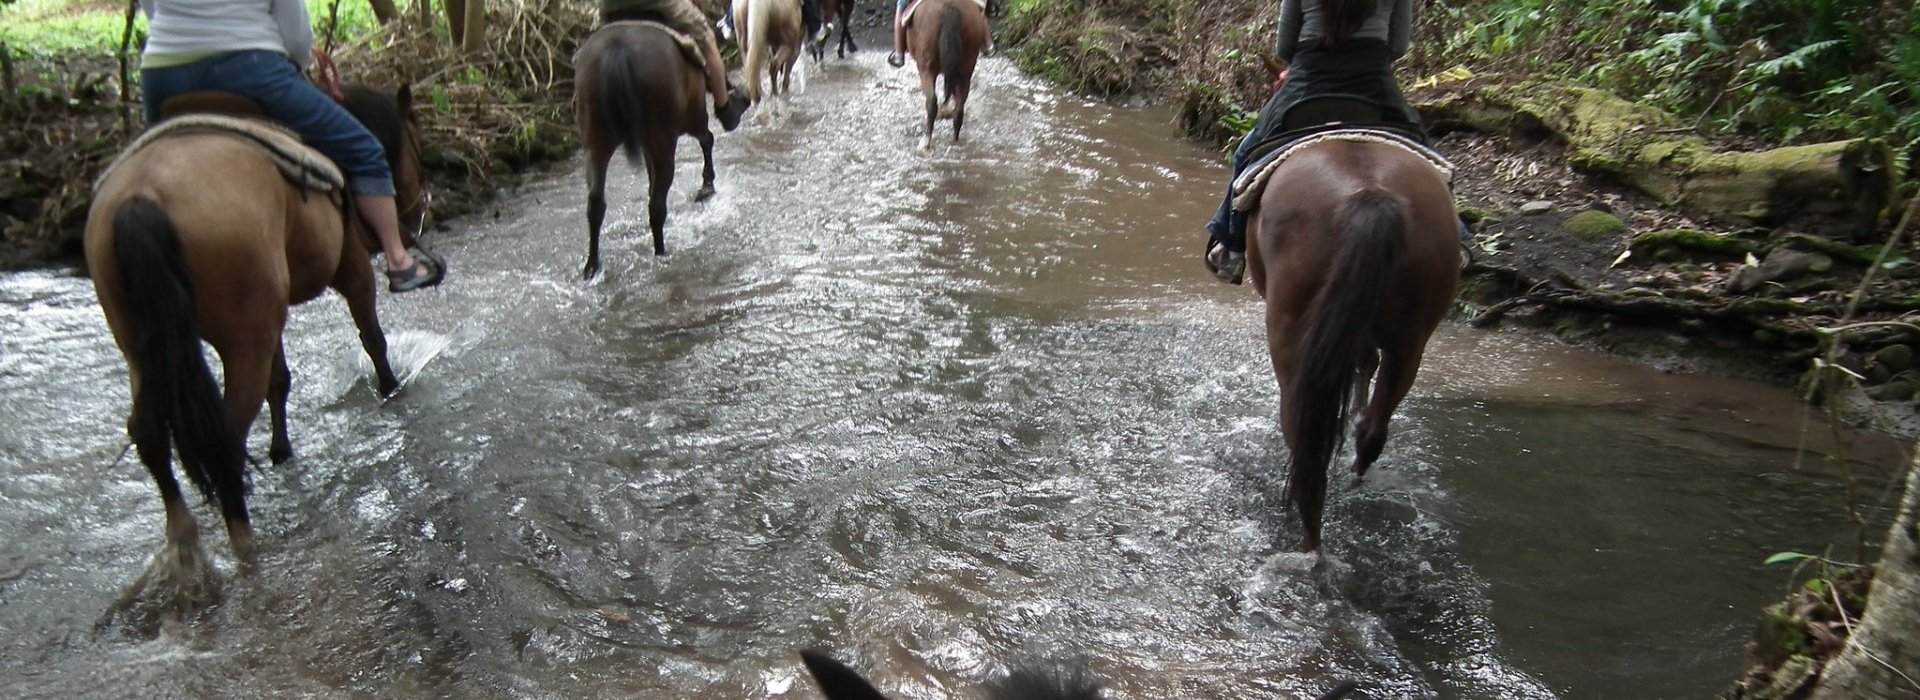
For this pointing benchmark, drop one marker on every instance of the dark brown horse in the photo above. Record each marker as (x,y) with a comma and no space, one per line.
(198,236)
(945,38)
(1354,247)
(634,89)
(843,9)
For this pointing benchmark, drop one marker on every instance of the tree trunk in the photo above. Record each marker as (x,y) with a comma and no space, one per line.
(475,36)
(1882,656)
(456,20)
(425,8)
(1646,148)
(384,11)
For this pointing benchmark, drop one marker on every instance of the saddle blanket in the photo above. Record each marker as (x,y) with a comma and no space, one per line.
(300,163)
(688,47)
(1253,180)
(908,14)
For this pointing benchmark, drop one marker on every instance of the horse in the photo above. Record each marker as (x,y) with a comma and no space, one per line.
(637,91)
(837,681)
(1354,248)
(764,26)
(844,10)
(198,236)
(945,38)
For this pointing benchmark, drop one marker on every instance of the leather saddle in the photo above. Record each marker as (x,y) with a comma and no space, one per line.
(1320,113)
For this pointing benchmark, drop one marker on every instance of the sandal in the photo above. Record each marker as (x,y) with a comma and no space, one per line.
(424,273)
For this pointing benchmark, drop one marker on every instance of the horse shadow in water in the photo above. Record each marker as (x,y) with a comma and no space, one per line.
(196,235)
(1357,258)
(945,38)
(843,9)
(837,681)
(771,37)
(636,90)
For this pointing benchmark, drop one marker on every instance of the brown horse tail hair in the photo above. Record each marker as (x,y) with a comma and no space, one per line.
(949,44)
(1337,324)
(616,99)
(177,398)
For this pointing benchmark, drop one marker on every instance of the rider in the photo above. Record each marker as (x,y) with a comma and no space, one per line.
(899,56)
(258,50)
(1330,46)
(683,17)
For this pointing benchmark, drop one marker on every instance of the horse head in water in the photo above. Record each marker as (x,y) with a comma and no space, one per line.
(838,682)
(945,38)
(196,234)
(1353,245)
(771,37)
(636,90)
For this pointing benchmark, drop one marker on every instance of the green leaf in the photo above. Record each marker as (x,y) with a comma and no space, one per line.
(1784,557)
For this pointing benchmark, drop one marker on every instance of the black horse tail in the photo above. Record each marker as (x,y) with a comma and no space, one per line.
(617,99)
(1371,226)
(177,397)
(949,45)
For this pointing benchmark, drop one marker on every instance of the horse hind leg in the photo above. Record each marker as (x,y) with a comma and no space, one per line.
(278,387)
(598,156)
(1395,380)
(660,155)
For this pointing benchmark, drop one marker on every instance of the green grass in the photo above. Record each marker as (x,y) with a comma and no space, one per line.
(44,28)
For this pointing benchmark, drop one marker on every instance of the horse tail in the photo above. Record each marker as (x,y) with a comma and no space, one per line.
(759,22)
(177,397)
(1371,226)
(617,98)
(949,44)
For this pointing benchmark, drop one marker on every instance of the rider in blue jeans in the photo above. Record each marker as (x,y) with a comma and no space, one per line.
(257,49)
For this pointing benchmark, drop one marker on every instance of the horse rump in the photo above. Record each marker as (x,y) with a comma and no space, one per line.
(177,399)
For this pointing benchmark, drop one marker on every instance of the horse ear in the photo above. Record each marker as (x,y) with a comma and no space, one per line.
(837,681)
(405,99)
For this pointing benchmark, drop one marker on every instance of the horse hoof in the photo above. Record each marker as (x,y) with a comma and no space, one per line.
(706,192)
(279,454)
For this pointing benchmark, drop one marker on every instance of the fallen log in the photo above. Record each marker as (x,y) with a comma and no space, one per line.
(1648,149)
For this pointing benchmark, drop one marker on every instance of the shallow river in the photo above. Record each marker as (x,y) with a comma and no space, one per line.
(934,411)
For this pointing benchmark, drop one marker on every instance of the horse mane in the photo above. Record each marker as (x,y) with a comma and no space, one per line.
(1044,683)
(379,111)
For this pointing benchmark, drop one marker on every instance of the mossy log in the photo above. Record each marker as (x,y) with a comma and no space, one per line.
(1648,149)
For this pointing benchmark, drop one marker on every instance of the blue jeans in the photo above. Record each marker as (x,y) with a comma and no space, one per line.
(1229,227)
(273,81)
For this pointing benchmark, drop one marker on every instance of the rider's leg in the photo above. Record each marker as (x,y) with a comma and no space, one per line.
(1227,232)
(898,57)
(267,77)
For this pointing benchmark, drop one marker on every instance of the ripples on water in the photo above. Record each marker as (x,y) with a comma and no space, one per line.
(936,411)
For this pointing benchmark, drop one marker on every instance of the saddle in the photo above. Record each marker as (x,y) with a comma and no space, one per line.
(688,47)
(243,119)
(1321,118)
(915,5)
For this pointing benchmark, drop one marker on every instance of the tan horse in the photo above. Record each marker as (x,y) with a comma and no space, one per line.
(199,236)
(945,38)
(1361,241)
(769,27)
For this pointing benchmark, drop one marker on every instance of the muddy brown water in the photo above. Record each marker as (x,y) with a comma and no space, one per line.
(935,411)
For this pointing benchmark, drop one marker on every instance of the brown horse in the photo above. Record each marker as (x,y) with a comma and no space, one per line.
(1354,247)
(945,38)
(843,9)
(635,89)
(771,36)
(198,236)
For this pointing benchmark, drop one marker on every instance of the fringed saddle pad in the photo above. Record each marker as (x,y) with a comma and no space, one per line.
(688,47)
(904,16)
(301,164)
(1253,180)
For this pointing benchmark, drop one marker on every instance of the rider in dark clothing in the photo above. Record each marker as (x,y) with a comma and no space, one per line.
(1330,47)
